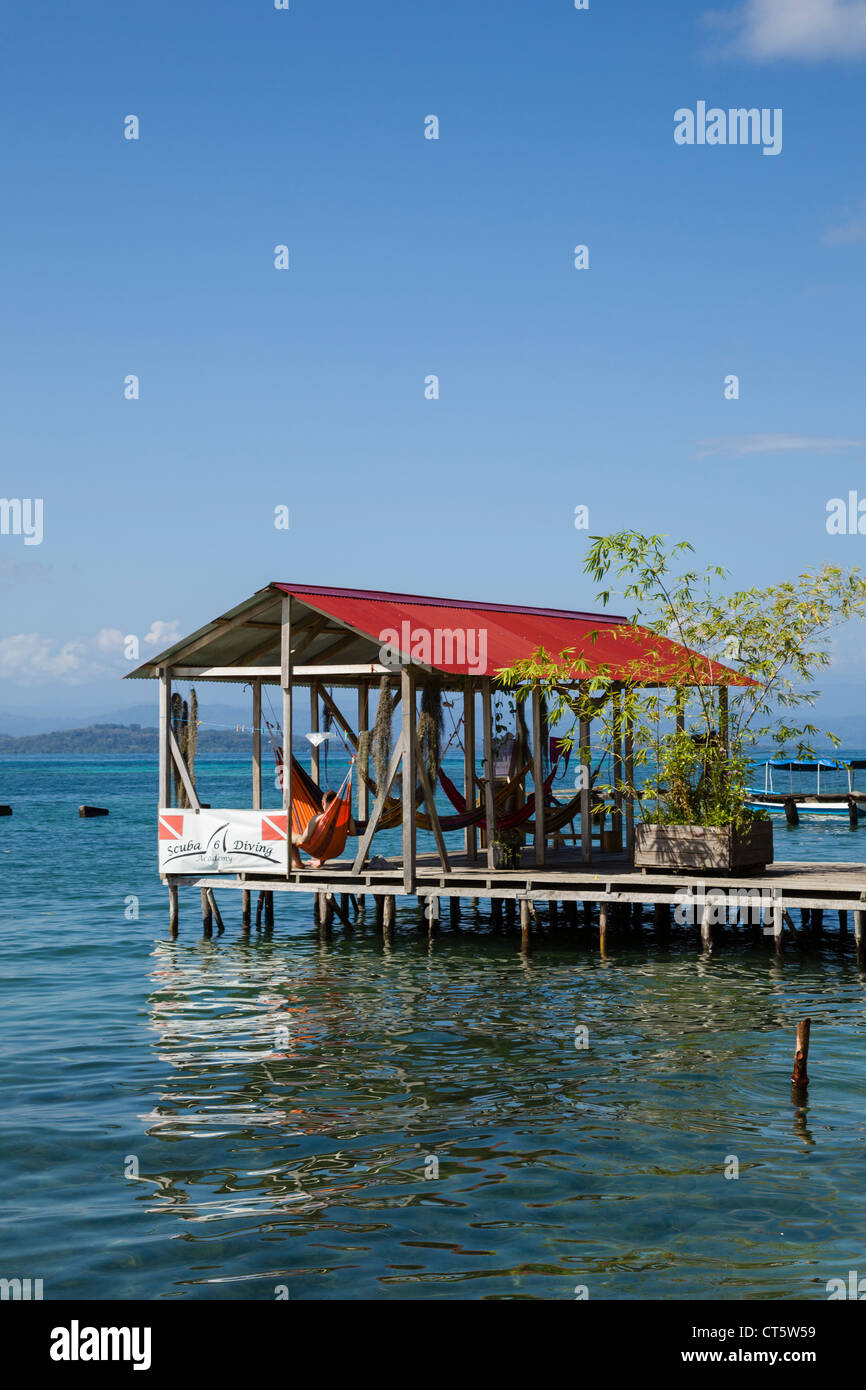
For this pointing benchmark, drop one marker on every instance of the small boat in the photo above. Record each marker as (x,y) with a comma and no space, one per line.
(795,803)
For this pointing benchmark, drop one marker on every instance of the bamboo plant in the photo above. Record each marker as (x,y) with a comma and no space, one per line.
(692,727)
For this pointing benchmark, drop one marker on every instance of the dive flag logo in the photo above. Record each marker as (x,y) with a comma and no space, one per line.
(275,826)
(170,827)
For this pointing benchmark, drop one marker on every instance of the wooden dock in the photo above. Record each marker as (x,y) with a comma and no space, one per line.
(610,890)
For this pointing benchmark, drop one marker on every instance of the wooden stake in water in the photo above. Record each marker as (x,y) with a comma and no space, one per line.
(800,1077)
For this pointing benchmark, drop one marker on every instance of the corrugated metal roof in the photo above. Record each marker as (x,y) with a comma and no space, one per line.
(508,634)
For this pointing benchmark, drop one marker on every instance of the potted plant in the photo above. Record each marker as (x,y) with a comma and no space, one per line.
(506,849)
(716,675)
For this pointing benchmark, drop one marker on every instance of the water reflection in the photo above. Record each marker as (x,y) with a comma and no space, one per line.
(309,1086)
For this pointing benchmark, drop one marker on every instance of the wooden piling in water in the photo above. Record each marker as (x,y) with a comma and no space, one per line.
(454,912)
(388,913)
(246,900)
(525,925)
(800,1076)
(496,912)
(206,914)
(269,912)
(173,909)
(215,910)
(260,907)
(843,922)
(602,926)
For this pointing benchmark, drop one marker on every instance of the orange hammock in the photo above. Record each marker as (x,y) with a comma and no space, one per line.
(329,837)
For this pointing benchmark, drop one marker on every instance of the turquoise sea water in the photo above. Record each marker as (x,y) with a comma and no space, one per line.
(231,1119)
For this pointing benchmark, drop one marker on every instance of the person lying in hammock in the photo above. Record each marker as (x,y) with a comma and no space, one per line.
(309,834)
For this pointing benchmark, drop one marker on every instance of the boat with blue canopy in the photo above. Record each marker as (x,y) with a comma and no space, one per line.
(795,801)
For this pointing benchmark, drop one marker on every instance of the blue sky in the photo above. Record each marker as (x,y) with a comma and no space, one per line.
(411,257)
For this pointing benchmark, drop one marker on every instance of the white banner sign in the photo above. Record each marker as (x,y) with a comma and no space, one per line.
(223,842)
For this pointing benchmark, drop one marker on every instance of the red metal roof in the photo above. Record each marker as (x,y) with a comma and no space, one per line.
(509,633)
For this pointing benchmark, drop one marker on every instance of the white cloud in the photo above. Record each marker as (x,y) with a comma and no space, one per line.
(807,29)
(28,658)
(739,445)
(163,634)
(849,231)
(110,640)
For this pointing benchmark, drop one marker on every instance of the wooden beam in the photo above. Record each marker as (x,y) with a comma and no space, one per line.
(430,803)
(378,807)
(314,729)
(585,794)
(165,675)
(629,777)
(340,718)
(286,684)
(538,776)
(240,675)
(177,759)
(363,724)
(407,690)
(471,832)
(489,809)
(257,745)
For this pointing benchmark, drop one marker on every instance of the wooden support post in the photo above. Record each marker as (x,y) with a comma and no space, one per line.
(380,910)
(585,791)
(257,745)
(173,912)
(388,915)
(469,765)
(707,924)
(314,729)
(602,926)
(215,910)
(800,1077)
(553,909)
(510,912)
(525,920)
(859,924)
(852,812)
(496,913)
(410,761)
(454,911)
(344,912)
(843,923)
(587,912)
(363,766)
(206,914)
(778,918)
(260,907)
(379,806)
(286,686)
(431,914)
(817,920)
(629,777)
(245,911)
(805,917)
(538,776)
(489,810)
(616,818)
(164,730)
(430,803)
(269,912)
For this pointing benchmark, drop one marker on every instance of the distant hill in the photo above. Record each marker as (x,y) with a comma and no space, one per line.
(129,738)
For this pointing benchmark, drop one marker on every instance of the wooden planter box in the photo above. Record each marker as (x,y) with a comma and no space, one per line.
(701,847)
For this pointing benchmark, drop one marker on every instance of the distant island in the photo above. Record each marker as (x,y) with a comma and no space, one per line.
(132,738)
